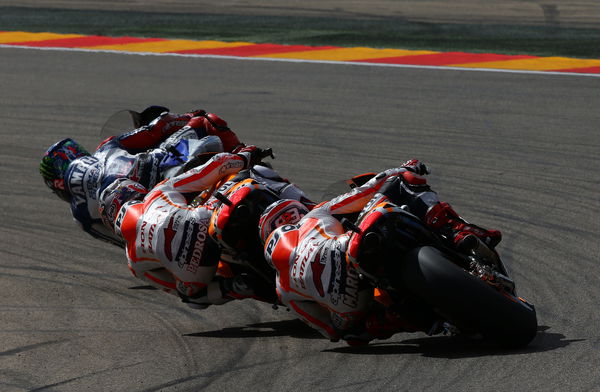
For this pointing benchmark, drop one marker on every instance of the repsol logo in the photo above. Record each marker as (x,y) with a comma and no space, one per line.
(274,239)
(198,248)
(194,237)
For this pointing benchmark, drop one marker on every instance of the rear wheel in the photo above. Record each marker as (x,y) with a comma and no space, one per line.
(466,301)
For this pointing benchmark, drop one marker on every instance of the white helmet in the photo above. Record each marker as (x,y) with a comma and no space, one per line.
(121,191)
(282,212)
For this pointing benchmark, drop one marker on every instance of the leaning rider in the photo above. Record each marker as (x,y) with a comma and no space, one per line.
(319,276)
(74,175)
(167,240)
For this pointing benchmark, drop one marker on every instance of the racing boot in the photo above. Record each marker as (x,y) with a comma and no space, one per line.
(247,285)
(227,288)
(443,219)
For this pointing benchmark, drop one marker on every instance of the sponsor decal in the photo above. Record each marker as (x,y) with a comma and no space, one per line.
(300,261)
(169,234)
(91,183)
(231,165)
(317,265)
(185,242)
(143,236)
(151,237)
(113,209)
(225,187)
(78,175)
(119,219)
(351,292)
(372,203)
(147,232)
(272,243)
(175,123)
(194,237)
(343,286)
(202,231)
(338,273)
(76,184)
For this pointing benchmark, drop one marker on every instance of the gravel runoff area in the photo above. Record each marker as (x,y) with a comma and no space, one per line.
(564,13)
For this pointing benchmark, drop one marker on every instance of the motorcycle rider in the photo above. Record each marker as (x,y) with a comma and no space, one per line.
(74,175)
(322,275)
(167,240)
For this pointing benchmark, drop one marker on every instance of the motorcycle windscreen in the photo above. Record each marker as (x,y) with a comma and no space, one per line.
(119,123)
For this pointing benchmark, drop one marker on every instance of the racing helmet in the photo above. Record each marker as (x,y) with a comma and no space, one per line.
(119,192)
(282,212)
(55,162)
(234,223)
(383,234)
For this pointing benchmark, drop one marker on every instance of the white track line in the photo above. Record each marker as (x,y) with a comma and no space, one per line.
(211,56)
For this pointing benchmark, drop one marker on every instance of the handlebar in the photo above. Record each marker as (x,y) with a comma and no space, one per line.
(268,152)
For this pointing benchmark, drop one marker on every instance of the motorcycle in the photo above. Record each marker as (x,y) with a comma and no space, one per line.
(179,152)
(468,292)
(237,202)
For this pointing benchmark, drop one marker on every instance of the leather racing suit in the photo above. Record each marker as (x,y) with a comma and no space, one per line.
(167,240)
(313,276)
(127,156)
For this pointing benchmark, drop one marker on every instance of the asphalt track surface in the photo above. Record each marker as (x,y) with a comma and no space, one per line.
(517,152)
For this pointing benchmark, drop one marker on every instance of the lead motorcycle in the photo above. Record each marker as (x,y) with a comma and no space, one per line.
(172,156)
(469,292)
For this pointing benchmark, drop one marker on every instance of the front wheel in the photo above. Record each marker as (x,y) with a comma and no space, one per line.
(466,301)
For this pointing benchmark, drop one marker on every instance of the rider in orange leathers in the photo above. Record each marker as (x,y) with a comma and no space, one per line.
(318,277)
(167,240)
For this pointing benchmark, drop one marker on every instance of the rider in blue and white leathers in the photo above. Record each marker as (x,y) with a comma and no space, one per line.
(146,155)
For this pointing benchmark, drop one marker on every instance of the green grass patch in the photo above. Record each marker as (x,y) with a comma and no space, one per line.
(377,33)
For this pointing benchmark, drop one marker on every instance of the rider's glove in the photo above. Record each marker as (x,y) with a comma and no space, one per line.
(415,166)
(252,155)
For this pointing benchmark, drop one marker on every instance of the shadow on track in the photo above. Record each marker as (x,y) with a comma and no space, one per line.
(291,328)
(150,288)
(455,347)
